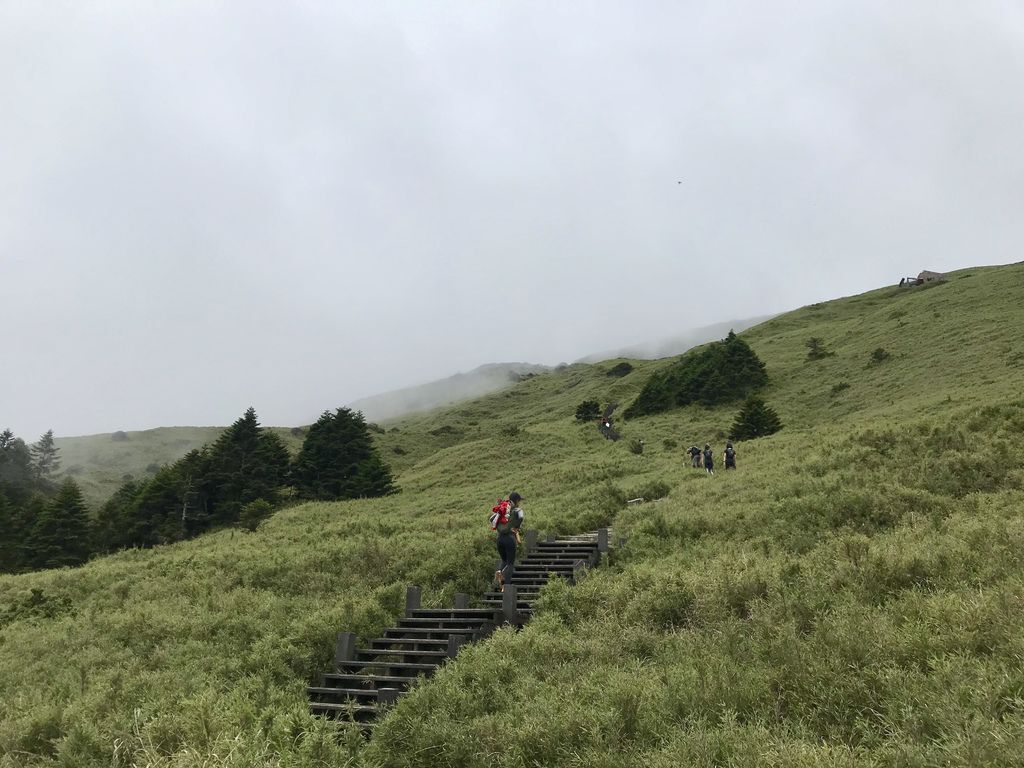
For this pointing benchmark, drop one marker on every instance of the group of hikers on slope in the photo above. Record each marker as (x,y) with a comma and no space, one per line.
(507,515)
(706,459)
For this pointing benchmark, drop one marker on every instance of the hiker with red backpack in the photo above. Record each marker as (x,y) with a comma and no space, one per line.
(506,520)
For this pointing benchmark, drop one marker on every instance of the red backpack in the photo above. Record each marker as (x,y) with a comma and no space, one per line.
(499,513)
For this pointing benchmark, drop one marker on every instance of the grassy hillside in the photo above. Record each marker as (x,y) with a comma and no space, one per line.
(850,596)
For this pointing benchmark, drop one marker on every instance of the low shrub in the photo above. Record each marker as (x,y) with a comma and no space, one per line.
(878,356)
(816,349)
(254,513)
(651,491)
(588,410)
(620,370)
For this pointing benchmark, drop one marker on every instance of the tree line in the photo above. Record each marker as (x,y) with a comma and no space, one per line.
(239,479)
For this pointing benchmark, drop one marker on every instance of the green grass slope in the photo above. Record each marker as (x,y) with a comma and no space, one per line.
(850,596)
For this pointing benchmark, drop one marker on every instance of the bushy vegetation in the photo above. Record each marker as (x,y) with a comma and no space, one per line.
(620,369)
(719,372)
(816,349)
(588,410)
(850,596)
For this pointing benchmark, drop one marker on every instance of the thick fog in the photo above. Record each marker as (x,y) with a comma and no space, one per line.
(207,205)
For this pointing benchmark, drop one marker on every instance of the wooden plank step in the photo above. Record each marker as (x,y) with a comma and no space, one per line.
(378,653)
(559,566)
(390,665)
(350,693)
(343,709)
(451,613)
(354,679)
(386,642)
(460,623)
(519,603)
(426,632)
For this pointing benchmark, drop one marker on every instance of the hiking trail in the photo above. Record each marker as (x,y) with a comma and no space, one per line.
(366,682)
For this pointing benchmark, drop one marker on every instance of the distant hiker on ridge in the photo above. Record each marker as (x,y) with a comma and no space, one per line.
(730,456)
(709,459)
(506,520)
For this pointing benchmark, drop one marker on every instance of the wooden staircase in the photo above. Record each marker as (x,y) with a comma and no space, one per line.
(366,681)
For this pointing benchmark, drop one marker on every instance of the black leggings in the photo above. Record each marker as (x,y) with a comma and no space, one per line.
(507,552)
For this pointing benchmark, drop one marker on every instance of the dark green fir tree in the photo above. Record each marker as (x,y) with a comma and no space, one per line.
(755,419)
(338,460)
(46,460)
(245,463)
(60,534)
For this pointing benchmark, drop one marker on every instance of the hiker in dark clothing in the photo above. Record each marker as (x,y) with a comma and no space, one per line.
(730,456)
(694,452)
(709,459)
(507,527)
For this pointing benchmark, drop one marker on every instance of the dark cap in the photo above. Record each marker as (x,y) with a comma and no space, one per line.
(514,497)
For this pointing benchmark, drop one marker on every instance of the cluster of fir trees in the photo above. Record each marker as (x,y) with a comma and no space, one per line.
(721,372)
(239,478)
(242,476)
(42,524)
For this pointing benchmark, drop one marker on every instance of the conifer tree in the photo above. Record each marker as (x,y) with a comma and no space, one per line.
(755,419)
(338,460)
(246,463)
(16,480)
(45,459)
(719,372)
(10,544)
(154,515)
(60,535)
(113,524)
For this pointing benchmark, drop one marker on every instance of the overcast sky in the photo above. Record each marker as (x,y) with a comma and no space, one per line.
(206,205)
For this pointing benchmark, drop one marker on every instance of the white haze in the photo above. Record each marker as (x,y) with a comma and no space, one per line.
(209,205)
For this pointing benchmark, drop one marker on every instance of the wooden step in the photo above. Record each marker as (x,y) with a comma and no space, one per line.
(361,694)
(369,682)
(451,613)
(413,622)
(386,642)
(393,666)
(357,713)
(377,653)
(409,633)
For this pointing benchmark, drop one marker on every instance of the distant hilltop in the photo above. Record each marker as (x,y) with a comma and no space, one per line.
(678,344)
(462,386)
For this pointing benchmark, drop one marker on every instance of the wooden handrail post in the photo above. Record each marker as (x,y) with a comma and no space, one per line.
(345,647)
(510,604)
(454,644)
(413,594)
